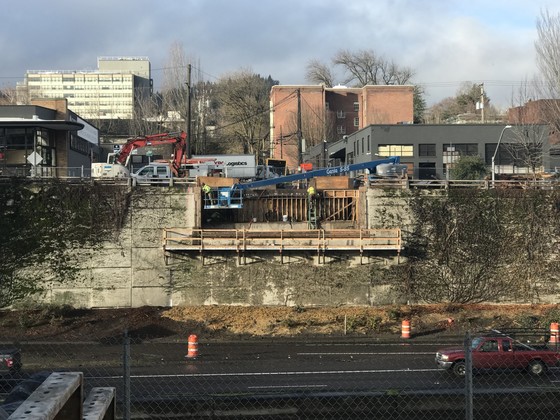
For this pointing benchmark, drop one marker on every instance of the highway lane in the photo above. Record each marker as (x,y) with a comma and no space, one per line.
(291,367)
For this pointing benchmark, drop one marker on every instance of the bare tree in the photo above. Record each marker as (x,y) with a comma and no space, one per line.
(320,73)
(548,61)
(175,97)
(360,68)
(8,96)
(175,91)
(243,99)
(365,67)
(317,123)
(526,146)
(529,137)
(147,117)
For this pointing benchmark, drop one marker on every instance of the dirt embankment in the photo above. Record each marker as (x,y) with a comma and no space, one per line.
(236,322)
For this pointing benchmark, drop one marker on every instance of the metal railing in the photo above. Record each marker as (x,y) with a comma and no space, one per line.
(83,173)
(178,239)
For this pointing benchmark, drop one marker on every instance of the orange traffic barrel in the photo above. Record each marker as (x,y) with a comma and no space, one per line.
(554,333)
(405,328)
(192,347)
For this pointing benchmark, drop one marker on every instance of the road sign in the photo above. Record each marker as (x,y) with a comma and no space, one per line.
(34,158)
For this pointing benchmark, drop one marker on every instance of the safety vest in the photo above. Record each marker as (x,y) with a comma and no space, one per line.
(206,189)
(311,191)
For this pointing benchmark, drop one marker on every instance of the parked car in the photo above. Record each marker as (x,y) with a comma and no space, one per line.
(497,350)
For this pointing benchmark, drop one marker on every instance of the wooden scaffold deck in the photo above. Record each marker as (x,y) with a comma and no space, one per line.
(240,241)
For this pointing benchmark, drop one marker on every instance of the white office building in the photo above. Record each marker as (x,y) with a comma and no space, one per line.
(110,92)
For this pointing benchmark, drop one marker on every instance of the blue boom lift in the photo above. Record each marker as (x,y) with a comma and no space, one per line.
(231,197)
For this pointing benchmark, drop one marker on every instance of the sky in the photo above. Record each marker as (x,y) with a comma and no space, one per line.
(445,42)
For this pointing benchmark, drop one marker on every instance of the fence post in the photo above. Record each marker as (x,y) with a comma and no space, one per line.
(468,378)
(554,334)
(126,376)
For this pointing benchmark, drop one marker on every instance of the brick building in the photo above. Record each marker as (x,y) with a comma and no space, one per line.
(326,115)
(541,111)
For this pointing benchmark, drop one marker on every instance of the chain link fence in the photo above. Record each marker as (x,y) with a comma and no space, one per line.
(336,378)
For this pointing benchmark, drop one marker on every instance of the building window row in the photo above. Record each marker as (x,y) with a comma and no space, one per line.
(405,150)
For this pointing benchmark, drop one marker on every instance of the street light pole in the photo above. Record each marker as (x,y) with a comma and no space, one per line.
(495,153)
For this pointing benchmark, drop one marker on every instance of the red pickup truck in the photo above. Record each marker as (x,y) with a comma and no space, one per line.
(10,361)
(498,352)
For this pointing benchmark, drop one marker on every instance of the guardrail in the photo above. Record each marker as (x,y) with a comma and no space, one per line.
(547,184)
(81,174)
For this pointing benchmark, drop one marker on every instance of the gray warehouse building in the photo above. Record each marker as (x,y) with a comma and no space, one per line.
(430,151)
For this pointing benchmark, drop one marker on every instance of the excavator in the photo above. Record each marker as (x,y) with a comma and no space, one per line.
(117,163)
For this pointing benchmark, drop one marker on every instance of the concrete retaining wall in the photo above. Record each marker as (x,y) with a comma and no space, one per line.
(132,271)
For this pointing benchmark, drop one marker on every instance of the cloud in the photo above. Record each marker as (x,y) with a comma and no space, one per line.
(445,42)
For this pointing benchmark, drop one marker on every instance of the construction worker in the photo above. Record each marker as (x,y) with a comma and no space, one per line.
(311,192)
(207,190)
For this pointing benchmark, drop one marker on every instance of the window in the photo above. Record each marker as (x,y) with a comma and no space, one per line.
(363,151)
(503,155)
(162,171)
(462,149)
(368,144)
(340,129)
(356,106)
(356,122)
(340,114)
(490,345)
(80,145)
(426,150)
(327,106)
(395,150)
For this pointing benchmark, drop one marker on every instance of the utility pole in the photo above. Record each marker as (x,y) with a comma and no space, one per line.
(482,102)
(281,141)
(189,137)
(299,135)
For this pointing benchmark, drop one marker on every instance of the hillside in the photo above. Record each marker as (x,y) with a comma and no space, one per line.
(237,322)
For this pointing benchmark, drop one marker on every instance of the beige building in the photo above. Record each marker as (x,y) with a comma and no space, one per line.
(110,92)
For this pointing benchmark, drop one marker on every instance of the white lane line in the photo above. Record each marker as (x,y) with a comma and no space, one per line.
(416,344)
(408,353)
(287,386)
(319,372)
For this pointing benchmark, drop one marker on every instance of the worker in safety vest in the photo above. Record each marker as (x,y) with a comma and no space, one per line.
(207,192)
(311,191)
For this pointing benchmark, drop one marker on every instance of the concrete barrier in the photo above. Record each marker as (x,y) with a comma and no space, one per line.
(60,396)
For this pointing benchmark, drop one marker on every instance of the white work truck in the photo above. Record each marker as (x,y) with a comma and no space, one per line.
(154,173)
